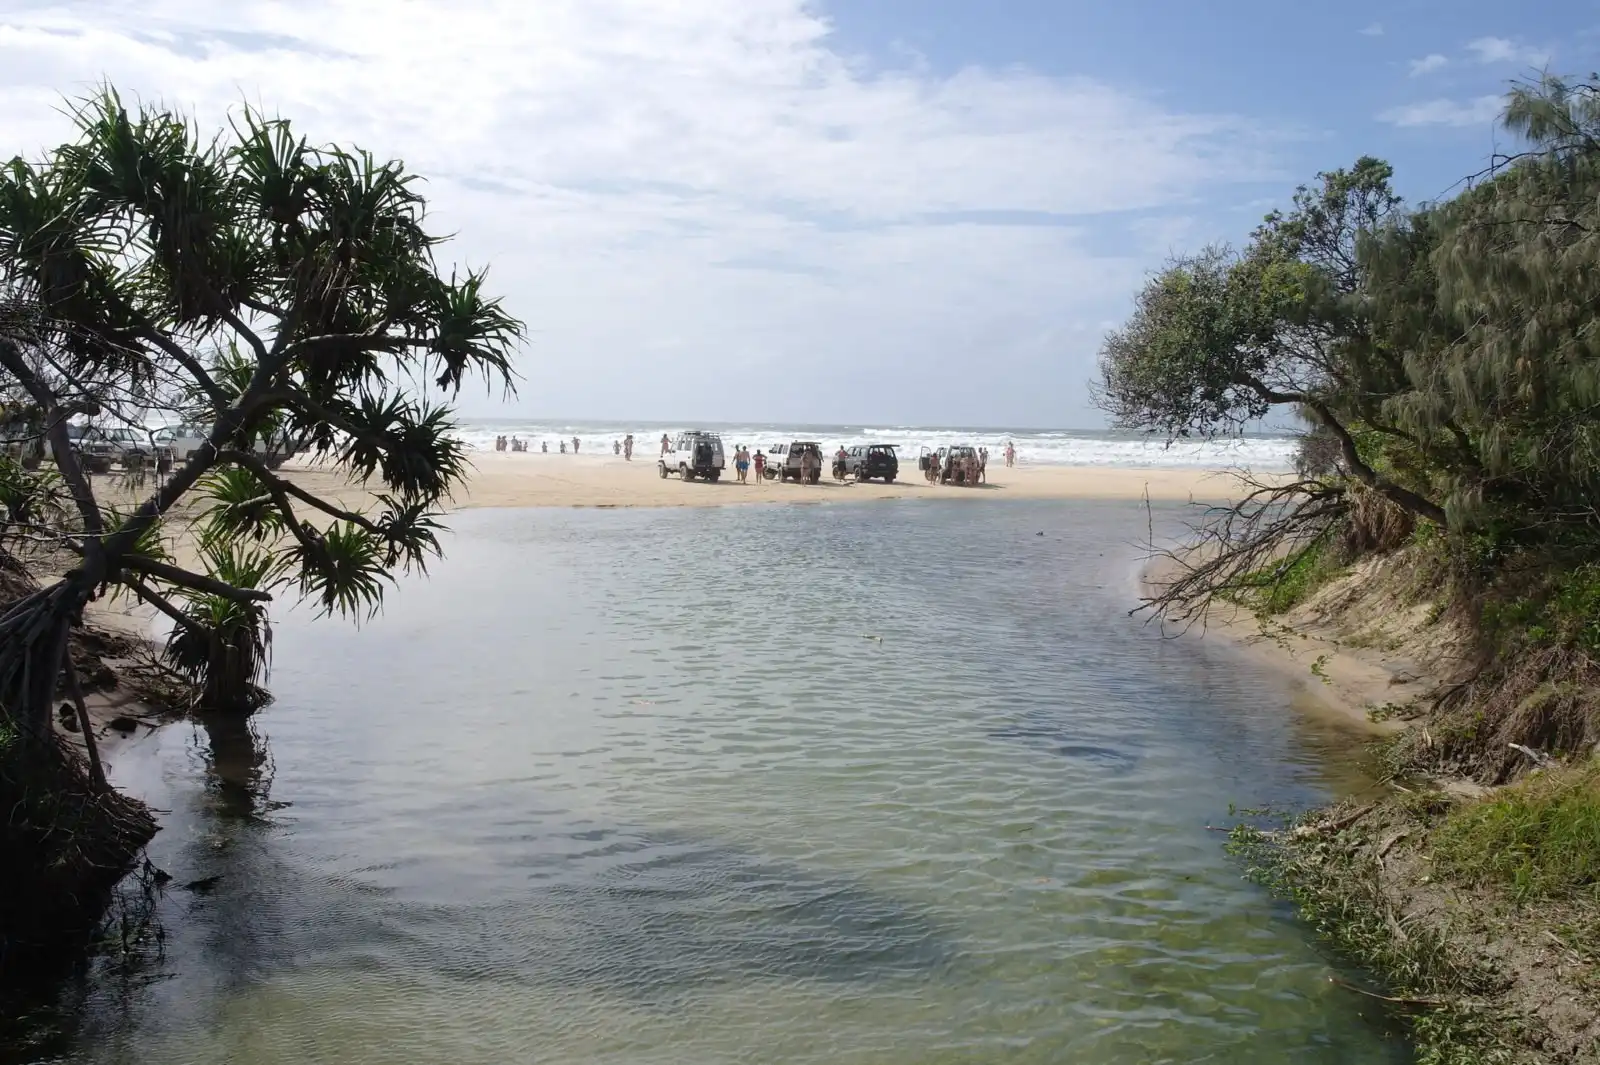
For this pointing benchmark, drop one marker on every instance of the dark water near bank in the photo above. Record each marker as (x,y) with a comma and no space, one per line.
(628,787)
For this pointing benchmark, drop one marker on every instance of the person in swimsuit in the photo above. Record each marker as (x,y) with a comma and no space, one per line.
(741,463)
(761,466)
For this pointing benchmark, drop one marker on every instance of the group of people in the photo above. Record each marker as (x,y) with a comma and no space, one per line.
(516,443)
(743,463)
(969,469)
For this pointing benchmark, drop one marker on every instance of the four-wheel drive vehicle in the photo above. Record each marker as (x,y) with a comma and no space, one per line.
(950,462)
(185,439)
(99,448)
(693,454)
(866,462)
(783,460)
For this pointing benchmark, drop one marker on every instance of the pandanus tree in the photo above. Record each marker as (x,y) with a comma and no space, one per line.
(263,286)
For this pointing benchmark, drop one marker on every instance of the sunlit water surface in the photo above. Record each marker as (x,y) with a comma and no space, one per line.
(634,787)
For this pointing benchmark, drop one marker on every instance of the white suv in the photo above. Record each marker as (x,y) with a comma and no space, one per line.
(186,439)
(693,454)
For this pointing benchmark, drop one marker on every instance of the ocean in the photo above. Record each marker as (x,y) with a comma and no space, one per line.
(1264,453)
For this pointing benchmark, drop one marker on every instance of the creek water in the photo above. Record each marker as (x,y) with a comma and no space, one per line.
(634,787)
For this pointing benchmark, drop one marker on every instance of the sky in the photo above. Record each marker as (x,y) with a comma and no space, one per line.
(844,211)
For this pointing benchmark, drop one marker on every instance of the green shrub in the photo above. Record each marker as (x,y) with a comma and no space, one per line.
(1286,584)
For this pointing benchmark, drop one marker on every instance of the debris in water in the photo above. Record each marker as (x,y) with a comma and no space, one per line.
(869,636)
(205,883)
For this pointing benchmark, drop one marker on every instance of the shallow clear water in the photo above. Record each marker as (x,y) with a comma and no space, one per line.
(628,787)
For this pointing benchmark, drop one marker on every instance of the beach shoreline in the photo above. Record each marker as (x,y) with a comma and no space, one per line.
(504,480)
(1327,660)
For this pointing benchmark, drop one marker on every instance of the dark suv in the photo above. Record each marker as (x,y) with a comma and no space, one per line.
(869,462)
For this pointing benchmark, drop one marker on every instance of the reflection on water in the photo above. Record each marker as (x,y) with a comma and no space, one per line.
(634,787)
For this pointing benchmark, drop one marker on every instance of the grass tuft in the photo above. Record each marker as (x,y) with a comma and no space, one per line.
(1538,839)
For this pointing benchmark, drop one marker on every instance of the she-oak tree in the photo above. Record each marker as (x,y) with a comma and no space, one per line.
(260,286)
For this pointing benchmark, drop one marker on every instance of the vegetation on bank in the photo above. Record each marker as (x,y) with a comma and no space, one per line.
(252,284)
(1445,359)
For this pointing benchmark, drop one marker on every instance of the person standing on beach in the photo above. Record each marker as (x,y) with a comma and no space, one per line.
(807,461)
(741,464)
(666,445)
(983,465)
(761,466)
(1011,454)
(544,447)
(627,448)
(616,447)
(574,445)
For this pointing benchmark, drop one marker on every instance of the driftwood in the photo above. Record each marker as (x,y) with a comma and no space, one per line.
(1399,1000)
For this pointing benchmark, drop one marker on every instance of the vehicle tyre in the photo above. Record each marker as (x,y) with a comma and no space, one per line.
(662,466)
(686,473)
(889,479)
(714,476)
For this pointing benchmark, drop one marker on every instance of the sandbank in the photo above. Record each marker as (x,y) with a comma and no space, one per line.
(539,480)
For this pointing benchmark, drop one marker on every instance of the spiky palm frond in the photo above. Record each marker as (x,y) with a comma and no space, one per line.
(346,572)
(411,529)
(30,497)
(225,649)
(238,506)
(409,445)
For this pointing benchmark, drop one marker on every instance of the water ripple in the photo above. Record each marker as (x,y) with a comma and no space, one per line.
(822,784)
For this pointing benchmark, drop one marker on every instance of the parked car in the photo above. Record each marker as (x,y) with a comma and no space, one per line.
(693,454)
(783,460)
(948,461)
(184,439)
(99,448)
(868,462)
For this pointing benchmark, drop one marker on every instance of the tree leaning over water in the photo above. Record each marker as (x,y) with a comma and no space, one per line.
(258,286)
(1446,358)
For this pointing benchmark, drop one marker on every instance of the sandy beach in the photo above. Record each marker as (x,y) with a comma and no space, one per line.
(539,480)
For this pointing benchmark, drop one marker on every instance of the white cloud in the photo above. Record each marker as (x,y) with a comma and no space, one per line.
(1500,50)
(1373,29)
(1479,111)
(707,175)
(1428,64)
